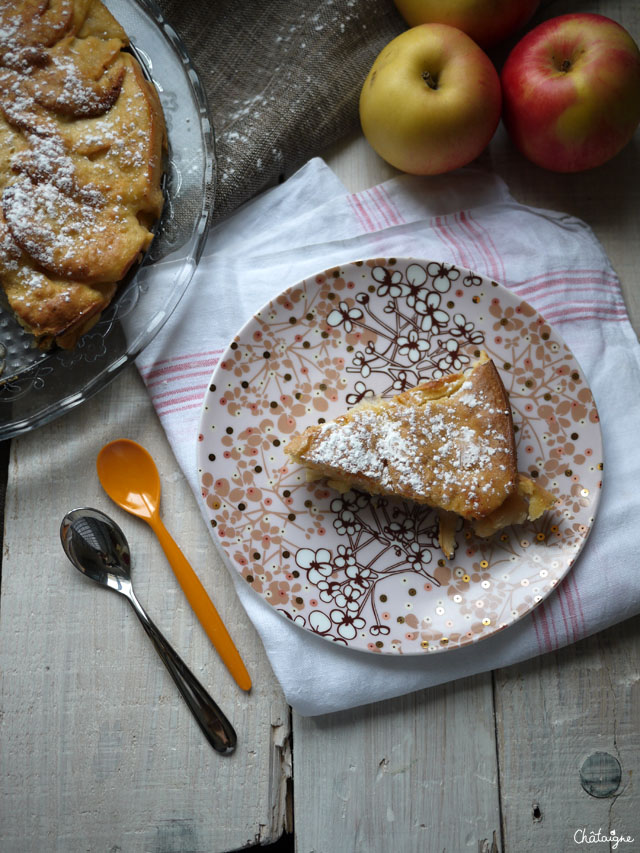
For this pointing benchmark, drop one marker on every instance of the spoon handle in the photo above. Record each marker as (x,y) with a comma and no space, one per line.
(216,727)
(202,605)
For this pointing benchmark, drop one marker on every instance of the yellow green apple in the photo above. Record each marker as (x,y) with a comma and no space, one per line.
(488,22)
(571,91)
(431,101)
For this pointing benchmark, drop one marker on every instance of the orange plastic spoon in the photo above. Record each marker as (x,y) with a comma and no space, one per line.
(129,476)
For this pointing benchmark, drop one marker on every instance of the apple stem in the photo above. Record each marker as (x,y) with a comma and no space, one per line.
(566,65)
(431,82)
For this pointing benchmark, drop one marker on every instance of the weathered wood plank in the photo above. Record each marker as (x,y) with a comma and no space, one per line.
(555,714)
(417,773)
(99,751)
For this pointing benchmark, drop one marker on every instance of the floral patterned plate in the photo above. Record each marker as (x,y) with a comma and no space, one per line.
(365,571)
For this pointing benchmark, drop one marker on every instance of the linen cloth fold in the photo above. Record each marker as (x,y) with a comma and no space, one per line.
(551,259)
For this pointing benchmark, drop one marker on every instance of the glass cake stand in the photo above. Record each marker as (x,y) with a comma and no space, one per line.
(36,386)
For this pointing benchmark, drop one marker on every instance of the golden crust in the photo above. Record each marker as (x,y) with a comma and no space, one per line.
(98,21)
(32,22)
(528,503)
(81,148)
(62,311)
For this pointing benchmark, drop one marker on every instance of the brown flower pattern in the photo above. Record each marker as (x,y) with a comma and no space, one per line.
(366,572)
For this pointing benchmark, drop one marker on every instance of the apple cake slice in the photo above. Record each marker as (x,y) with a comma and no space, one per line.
(448,443)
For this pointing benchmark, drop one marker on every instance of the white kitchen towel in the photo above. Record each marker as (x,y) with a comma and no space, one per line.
(551,259)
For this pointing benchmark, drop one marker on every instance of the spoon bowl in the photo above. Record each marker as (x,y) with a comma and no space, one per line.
(129,476)
(98,548)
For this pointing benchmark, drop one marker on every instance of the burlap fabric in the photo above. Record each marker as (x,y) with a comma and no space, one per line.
(282,77)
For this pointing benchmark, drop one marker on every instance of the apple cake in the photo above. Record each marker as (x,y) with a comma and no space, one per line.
(448,443)
(82,138)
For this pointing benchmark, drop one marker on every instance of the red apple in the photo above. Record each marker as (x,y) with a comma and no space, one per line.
(486,21)
(431,101)
(571,90)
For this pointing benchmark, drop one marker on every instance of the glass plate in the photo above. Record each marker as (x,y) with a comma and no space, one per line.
(35,386)
(367,572)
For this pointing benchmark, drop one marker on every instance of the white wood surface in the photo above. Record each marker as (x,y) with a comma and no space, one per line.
(552,714)
(99,753)
(415,774)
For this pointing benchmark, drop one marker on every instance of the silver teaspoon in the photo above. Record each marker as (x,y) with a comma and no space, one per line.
(98,548)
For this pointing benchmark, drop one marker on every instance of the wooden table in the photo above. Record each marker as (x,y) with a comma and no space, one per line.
(99,753)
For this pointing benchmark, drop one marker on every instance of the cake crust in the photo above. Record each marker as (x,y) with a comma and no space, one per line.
(447,443)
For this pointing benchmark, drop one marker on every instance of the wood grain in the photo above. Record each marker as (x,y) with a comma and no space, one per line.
(99,750)
(416,774)
(553,714)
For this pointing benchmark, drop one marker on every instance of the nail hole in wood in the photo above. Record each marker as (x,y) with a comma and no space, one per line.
(536,812)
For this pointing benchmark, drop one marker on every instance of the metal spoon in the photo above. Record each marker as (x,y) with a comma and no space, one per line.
(129,476)
(98,548)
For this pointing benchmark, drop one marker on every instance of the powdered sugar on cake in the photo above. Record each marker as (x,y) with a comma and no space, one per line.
(445,450)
